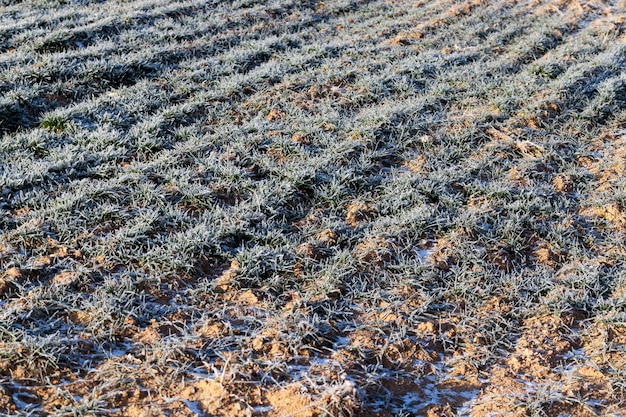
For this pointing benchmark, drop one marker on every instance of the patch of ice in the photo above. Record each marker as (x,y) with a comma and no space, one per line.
(193,407)
(263,409)
(199,373)
(423,254)
(341,342)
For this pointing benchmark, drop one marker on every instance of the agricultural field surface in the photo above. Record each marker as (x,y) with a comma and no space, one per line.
(364,208)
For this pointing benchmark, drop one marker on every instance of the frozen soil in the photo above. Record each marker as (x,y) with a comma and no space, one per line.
(302,208)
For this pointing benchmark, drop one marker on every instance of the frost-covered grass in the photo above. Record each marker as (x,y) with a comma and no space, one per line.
(303,208)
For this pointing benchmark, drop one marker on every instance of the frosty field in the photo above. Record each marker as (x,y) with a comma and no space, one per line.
(301,208)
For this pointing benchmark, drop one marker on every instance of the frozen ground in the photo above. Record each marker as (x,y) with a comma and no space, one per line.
(341,208)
